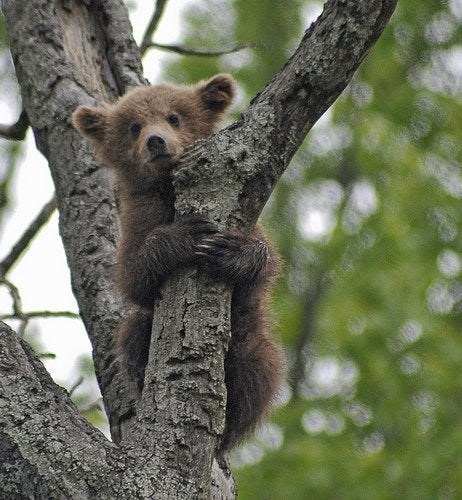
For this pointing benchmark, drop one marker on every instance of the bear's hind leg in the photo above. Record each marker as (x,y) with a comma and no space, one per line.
(254,370)
(132,341)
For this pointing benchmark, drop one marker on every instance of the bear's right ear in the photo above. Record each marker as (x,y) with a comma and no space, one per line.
(91,122)
(218,92)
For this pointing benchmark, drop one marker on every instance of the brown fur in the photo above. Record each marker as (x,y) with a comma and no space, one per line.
(140,141)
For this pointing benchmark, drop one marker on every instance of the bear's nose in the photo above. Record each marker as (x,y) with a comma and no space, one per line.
(156,145)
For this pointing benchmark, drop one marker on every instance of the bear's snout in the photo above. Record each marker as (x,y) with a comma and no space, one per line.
(156,145)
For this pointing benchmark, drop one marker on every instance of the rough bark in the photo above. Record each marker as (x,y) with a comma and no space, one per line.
(47,449)
(70,52)
(66,54)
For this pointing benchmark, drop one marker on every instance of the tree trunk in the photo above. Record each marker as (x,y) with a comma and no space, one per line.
(71,52)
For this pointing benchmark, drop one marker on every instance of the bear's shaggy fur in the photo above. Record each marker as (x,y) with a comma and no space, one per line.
(140,137)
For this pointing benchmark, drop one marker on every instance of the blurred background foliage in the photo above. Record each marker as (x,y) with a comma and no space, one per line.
(367,219)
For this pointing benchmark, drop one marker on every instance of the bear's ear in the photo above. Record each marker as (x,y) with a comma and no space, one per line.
(218,92)
(91,122)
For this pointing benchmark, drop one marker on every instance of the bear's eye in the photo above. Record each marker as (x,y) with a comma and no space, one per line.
(173,120)
(135,129)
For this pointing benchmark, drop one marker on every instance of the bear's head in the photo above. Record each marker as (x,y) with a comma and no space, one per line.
(143,133)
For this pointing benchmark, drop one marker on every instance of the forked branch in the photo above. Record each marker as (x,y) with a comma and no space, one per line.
(28,235)
(152,26)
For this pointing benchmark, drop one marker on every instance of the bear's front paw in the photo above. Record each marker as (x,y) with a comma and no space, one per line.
(197,226)
(232,256)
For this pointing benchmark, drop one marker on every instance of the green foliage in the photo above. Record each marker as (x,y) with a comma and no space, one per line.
(367,219)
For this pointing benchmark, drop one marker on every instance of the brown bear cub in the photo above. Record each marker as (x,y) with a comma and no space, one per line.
(140,137)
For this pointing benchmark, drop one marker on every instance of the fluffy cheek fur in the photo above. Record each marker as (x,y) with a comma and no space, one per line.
(131,158)
(115,152)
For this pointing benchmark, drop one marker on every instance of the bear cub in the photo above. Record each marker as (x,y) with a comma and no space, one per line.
(140,138)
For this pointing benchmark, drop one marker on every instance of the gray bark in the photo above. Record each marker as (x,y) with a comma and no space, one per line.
(67,54)
(71,52)
(47,449)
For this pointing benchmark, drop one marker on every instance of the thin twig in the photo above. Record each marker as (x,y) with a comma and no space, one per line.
(76,386)
(96,405)
(17,305)
(47,355)
(16,298)
(17,131)
(5,183)
(41,314)
(152,26)
(181,49)
(27,237)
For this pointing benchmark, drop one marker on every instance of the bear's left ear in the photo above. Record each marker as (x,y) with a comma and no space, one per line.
(90,121)
(218,92)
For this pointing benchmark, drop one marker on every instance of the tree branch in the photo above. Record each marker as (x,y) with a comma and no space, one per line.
(5,184)
(152,26)
(17,131)
(47,439)
(253,153)
(28,236)
(123,55)
(48,449)
(41,314)
(182,49)
(17,305)
(88,54)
